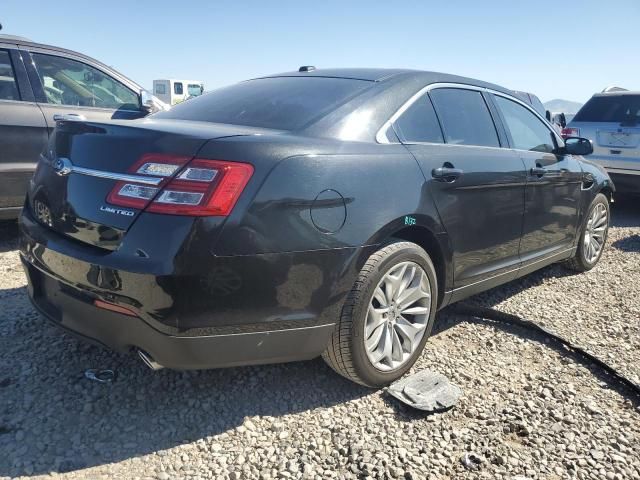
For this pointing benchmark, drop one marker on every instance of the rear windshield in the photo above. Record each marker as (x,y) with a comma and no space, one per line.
(282,103)
(623,109)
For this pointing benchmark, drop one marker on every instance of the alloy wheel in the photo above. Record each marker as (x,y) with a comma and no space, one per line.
(595,233)
(397,316)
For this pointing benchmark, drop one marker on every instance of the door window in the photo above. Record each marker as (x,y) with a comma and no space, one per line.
(527,131)
(69,82)
(8,87)
(160,89)
(419,123)
(465,117)
(177,88)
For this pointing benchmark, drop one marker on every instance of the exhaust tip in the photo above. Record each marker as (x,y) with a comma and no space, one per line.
(149,361)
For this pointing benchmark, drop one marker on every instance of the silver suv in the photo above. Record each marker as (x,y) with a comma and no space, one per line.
(611,121)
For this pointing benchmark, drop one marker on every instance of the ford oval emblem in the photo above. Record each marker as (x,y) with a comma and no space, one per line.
(63,167)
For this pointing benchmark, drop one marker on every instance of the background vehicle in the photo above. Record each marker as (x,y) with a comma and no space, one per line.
(611,121)
(40,82)
(327,212)
(532,100)
(175,91)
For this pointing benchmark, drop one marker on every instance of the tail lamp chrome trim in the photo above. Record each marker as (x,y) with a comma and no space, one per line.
(64,167)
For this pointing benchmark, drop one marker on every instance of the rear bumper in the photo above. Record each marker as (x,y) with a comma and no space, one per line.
(73,310)
(191,311)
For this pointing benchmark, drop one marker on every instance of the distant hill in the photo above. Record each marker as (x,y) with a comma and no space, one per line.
(564,106)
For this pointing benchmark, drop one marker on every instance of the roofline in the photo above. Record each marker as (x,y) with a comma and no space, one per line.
(31,44)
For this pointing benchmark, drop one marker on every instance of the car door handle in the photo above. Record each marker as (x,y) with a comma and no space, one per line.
(538,172)
(446,174)
(69,117)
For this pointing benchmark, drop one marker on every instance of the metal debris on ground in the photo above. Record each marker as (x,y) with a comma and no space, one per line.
(100,375)
(426,390)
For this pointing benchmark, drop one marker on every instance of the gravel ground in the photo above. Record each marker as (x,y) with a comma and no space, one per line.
(530,409)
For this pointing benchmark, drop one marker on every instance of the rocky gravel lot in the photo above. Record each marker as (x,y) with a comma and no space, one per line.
(530,409)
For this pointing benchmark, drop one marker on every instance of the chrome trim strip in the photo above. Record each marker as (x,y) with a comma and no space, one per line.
(381,134)
(70,168)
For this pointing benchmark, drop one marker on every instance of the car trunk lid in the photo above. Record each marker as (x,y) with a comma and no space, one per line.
(86,162)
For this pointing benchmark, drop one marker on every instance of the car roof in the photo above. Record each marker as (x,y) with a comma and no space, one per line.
(25,42)
(617,93)
(391,74)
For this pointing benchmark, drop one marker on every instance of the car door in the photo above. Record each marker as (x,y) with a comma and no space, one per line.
(23,132)
(554,181)
(477,186)
(64,85)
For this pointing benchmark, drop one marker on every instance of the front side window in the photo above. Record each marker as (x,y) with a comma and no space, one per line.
(419,123)
(465,117)
(527,131)
(177,88)
(69,82)
(8,87)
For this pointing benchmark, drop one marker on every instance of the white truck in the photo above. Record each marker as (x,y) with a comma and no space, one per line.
(172,91)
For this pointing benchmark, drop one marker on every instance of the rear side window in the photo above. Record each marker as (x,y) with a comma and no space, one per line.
(282,103)
(177,88)
(624,109)
(8,87)
(527,131)
(70,82)
(419,123)
(160,89)
(465,117)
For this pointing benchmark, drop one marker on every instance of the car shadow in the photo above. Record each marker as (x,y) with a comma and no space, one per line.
(9,234)
(625,211)
(628,244)
(52,413)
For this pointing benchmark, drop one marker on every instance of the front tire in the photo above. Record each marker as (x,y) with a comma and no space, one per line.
(387,316)
(593,236)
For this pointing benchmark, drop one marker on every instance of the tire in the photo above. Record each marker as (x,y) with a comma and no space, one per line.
(347,353)
(585,259)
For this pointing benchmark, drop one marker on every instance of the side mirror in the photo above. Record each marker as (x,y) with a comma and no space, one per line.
(150,104)
(578,146)
(146,102)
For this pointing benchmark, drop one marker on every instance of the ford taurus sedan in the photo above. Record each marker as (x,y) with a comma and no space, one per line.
(319,212)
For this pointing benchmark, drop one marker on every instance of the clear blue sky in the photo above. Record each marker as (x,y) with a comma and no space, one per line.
(556,49)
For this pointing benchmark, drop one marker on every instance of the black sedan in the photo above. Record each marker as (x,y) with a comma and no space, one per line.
(319,212)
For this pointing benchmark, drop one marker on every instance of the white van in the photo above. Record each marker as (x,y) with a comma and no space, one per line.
(174,91)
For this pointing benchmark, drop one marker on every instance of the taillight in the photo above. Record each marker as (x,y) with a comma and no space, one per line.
(201,188)
(138,195)
(570,132)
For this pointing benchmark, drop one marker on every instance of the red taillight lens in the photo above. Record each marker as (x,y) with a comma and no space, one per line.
(200,187)
(138,195)
(570,132)
(203,188)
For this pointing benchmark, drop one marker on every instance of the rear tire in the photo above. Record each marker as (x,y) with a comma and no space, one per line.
(593,236)
(394,281)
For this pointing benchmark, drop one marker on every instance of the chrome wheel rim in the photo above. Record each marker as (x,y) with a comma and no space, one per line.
(398,316)
(595,233)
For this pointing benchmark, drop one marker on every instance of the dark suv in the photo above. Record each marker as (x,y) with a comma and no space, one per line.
(39,84)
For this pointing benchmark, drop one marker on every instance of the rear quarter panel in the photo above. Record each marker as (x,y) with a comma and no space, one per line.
(330,200)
